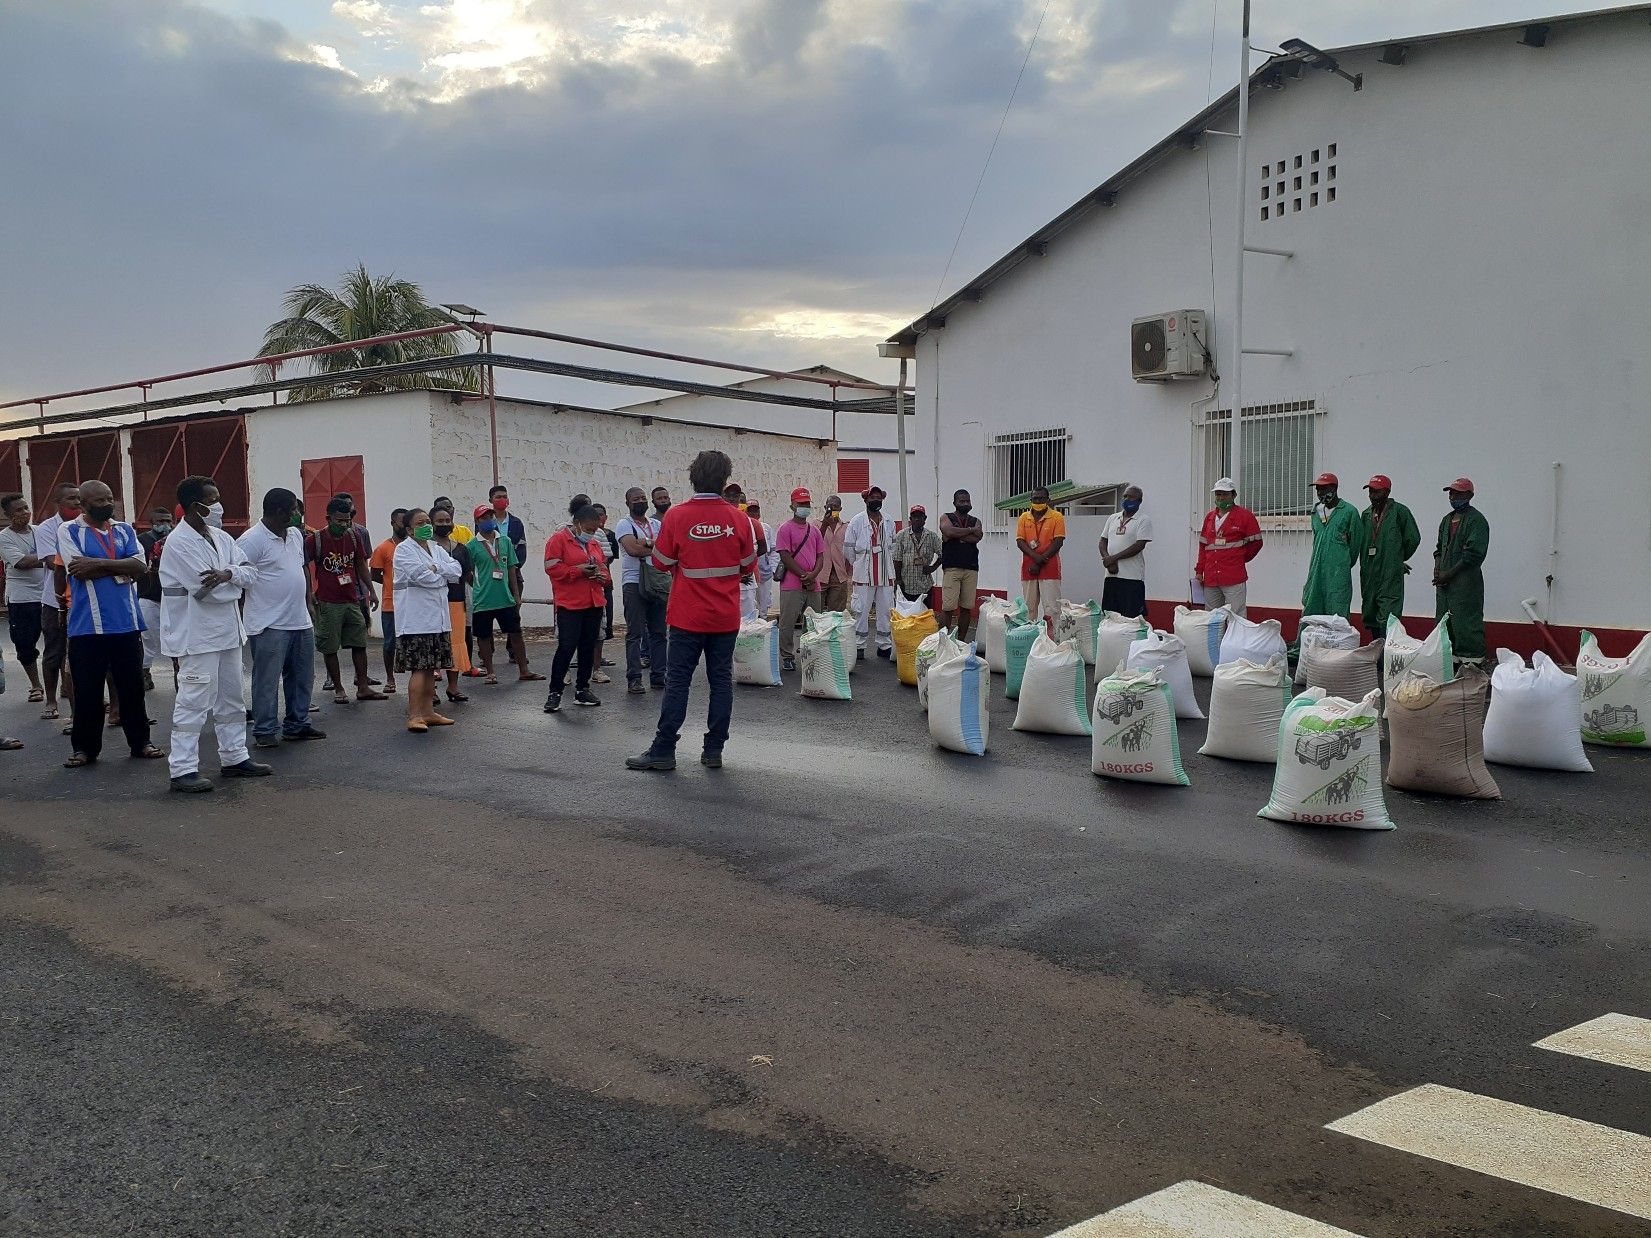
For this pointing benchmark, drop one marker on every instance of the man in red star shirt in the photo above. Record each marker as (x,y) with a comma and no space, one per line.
(707,545)
(1228,540)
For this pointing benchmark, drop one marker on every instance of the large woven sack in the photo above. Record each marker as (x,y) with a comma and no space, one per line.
(1135,734)
(1402,652)
(828,620)
(1201,632)
(824,657)
(1435,736)
(1017,643)
(757,653)
(1329,764)
(1080,623)
(1533,714)
(1616,694)
(1351,674)
(1054,693)
(1159,651)
(996,616)
(1113,639)
(959,690)
(1251,641)
(1247,701)
(908,630)
(1331,630)
(927,650)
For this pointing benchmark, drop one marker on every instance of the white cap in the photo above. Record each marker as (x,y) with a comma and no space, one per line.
(1226,483)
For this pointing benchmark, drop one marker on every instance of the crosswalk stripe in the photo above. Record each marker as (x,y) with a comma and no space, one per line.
(1567,1156)
(1619,1039)
(1197,1210)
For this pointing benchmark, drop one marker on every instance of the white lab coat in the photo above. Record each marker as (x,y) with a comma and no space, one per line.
(870,568)
(422,577)
(201,625)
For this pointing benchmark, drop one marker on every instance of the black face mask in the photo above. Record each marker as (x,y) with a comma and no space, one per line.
(963,509)
(639,509)
(874,508)
(662,508)
(99,513)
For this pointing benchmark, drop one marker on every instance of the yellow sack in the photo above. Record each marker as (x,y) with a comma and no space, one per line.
(908,632)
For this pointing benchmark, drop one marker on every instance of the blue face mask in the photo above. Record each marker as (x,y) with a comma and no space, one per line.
(1131,506)
(1461,504)
(487,525)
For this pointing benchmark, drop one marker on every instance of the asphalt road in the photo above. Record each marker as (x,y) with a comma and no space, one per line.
(487,981)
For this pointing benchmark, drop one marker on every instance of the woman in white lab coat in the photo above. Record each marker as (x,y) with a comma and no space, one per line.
(424,625)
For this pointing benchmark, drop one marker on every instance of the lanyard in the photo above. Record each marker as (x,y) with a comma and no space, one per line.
(1380,516)
(106,540)
(490,552)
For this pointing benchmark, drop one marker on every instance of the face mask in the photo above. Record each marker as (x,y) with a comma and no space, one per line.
(1040,508)
(1461,504)
(424,532)
(67,512)
(963,509)
(334,525)
(486,525)
(500,503)
(215,515)
(639,509)
(1222,505)
(297,521)
(803,512)
(1131,506)
(1329,500)
(161,528)
(662,508)
(917,525)
(874,507)
(100,513)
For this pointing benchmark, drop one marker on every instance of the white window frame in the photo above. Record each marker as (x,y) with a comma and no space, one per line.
(1266,434)
(1042,453)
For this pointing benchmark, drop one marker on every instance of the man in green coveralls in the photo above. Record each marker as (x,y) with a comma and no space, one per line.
(1338,539)
(1458,560)
(1390,538)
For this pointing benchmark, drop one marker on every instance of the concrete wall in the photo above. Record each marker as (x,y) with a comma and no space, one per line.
(1474,302)
(547,457)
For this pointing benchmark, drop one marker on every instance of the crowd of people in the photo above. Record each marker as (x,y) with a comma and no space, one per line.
(93,605)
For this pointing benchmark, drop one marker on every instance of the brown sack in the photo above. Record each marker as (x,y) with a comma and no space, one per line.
(1351,674)
(1436,736)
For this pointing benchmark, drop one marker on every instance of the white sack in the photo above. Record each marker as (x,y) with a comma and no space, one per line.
(927,649)
(959,689)
(1159,651)
(994,624)
(1616,694)
(1135,730)
(1080,623)
(826,620)
(1402,652)
(757,653)
(1533,715)
(1251,641)
(1201,632)
(1247,701)
(1054,694)
(1329,764)
(824,656)
(1113,639)
(1331,630)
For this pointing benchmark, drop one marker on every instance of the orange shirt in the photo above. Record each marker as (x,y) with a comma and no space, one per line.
(384,560)
(1040,535)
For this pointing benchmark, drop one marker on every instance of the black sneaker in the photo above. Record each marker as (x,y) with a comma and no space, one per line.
(191,783)
(711,760)
(790,664)
(553,702)
(862,656)
(649,761)
(148,680)
(635,688)
(303,733)
(246,769)
(266,741)
(586,697)
(884,654)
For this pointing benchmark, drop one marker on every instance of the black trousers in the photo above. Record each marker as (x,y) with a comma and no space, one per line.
(578,633)
(23,620)
(1125,597)
(119,658)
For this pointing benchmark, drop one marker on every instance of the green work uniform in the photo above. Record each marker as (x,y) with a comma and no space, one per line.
(491,589)
(1338,539)
(1390,538)
(1464,540)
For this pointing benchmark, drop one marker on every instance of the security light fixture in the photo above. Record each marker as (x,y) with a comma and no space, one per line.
(1317,58)
(459,307)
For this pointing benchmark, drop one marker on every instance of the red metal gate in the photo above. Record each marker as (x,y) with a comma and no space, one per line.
(73,458)
(329,475)
(11,466)
(163,455)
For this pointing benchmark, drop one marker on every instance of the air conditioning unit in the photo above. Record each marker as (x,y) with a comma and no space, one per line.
(1166,346)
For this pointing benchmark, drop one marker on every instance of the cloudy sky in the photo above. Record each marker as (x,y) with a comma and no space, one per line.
(775,181)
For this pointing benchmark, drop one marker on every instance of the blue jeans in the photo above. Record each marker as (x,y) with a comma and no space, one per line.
(682,658)
(644,630)
(283,662)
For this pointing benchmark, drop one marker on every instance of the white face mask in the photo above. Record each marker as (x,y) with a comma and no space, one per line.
(804,512)
(215,515)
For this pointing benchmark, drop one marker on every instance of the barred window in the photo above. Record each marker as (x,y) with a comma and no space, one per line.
(1281,454)
(1020,462)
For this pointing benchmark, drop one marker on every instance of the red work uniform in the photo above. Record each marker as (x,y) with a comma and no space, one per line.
(706,544)
(1224,552)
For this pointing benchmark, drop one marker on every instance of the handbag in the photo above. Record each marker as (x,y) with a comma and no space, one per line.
(655,584)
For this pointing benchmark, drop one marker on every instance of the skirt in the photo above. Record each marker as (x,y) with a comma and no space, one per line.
(424,651)
(461,655)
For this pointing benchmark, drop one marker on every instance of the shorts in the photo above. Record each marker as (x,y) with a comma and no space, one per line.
(23,620)
(509,619)
(339,625)
(957,588)
(54,639)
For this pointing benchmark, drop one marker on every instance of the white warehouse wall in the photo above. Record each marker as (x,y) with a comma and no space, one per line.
(1474,302)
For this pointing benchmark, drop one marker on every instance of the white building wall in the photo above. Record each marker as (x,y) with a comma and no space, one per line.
(1474,302)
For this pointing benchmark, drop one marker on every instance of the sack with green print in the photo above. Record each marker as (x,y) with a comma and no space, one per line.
(1134,730)
(1329,764)
(1403,653)
(1616,694)
(1017,643)
(824,654)
(1080,623)
(1054,695)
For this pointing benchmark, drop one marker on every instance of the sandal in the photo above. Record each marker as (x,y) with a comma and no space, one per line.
(417,728)
(389,688)
(457,697)
(10,745)
(340,698)
(529,677)
(76,761)
(492,679)
(148,753)
(50,714)
(370,695)
(36,695)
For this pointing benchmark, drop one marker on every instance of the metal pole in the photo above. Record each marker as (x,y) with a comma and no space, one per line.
(1235,433)
(492,408)
(900,437)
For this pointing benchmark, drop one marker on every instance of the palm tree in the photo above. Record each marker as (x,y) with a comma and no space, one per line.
(364,307)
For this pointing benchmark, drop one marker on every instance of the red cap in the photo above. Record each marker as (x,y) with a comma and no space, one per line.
(801,495)
(1327,479)
(1462,484)
(1381,481)
(875,491)
(482,509)
(918,507)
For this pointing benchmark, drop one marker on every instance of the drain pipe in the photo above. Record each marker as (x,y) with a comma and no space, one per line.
(1529,606)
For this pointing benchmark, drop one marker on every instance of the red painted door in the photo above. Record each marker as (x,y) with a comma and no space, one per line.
(326,477)
(73,458)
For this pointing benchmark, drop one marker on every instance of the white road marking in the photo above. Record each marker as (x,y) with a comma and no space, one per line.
(1620,1039)
(1567,1156)
(1196,1210)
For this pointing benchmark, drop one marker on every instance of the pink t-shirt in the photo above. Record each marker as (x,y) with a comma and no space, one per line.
(805,545)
